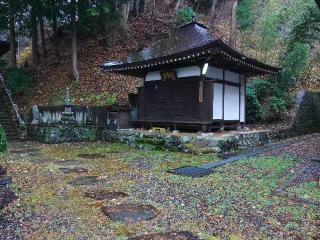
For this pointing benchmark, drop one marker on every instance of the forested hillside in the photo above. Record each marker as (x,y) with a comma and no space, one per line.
(69,40)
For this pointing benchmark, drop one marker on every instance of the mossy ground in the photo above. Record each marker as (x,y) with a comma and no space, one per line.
(236,201)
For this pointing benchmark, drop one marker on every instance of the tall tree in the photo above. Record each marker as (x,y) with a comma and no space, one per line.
(318,3)
(75,70)
(125,14)
(34,31)
(233,28)
(12,28)
(180,4)
(54,19)
(41,28)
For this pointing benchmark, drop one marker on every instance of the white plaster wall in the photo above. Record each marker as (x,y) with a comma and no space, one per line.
(231,103)
(217,101)
(231,76)
(216,73)
(243,99)
(181,73)
(188,71)
(153,76)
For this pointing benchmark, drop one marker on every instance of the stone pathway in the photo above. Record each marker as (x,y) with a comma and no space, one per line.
(167,236)
(130,213)
(73,170)
(91,155)
(207,169)
(85,180)
(68,162)
(105,195)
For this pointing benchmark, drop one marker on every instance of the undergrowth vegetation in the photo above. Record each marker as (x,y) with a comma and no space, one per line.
(3,141)
(18,81)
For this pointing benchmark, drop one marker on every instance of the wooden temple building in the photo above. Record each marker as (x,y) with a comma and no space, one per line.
(191,80)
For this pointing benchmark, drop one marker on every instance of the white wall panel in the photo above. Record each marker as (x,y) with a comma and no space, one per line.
(231,103)
(188,71)
(231,76)
(217,101)
(243,99)
(216,73)
(153,76)
(181,73)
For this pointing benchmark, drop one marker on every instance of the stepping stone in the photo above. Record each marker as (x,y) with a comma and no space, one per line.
(130,213)
(3,170)
(105,195)
(26,152)
(41,161)
(5,181)
(68,162)
(85,180)
(73,170)
(316,159)
(91,155)
(6,197)
(166,236)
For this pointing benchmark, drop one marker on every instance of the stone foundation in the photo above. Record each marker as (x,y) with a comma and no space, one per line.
(203,143)
(62,134)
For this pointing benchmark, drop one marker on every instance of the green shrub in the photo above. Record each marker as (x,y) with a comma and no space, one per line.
(295,64)
(276,107)
(3,141)
(254,110)
(17,81)
(185,15)
(267,101)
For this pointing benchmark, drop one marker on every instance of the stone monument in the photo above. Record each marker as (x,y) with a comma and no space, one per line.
(67,116)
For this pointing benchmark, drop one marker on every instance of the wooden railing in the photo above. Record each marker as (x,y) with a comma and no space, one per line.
(13,106)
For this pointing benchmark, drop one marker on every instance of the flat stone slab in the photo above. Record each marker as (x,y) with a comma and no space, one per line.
(105,195)
(167,236)
(5,181)
(68,162)
(85,180)
(73,170)
(316,159)
(26,152)
(41,161)
(91,155)
(3,170)
(130,213)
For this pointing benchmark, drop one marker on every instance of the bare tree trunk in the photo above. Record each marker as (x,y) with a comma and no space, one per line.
(212,12)
(180,4)
(35,51)
(137,7)
(74,41)
(42,37)
(55,28)
(233,29)
(125,15)
(13,51)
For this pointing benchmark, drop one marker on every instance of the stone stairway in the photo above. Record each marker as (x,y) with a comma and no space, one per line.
(6,119)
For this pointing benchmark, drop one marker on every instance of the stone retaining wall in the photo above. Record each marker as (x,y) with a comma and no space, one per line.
(62,134)
(194,144)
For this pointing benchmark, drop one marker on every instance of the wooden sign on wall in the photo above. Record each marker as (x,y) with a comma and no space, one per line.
(168,75)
